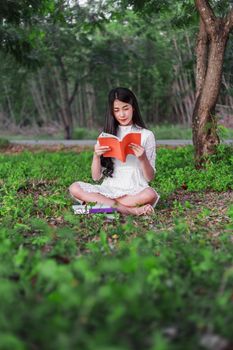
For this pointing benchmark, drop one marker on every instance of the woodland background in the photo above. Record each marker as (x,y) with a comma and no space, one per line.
(74,52)
(159,282)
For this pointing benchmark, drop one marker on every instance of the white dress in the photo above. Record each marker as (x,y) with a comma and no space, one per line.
(127,177)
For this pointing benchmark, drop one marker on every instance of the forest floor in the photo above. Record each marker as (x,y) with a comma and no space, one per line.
(174,266)
(192,203)
(205,210)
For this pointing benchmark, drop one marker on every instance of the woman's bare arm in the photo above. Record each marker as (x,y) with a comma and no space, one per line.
(140,153)
(96,170)
(147,169)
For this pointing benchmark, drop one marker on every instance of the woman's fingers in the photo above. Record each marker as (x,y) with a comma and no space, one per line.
(138,150)
(104,148)
(134,145)
(99,150)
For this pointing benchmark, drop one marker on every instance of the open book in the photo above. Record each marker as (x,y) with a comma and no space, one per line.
(119,148)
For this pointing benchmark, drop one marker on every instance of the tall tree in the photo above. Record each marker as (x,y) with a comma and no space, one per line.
(68,46)
(53,33)
(19,30)
(212,39)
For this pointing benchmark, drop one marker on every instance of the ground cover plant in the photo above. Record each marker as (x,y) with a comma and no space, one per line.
(74,282)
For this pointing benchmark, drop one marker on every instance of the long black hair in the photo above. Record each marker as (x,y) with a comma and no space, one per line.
(111,124)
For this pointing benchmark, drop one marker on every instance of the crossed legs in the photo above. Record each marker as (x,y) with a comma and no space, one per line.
(129,204)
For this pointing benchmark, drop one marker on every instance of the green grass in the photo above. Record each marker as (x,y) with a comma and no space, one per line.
(32,137)
(162,132)
(171,132)
(73,282)
(4,143)
(79,134)
(176,132)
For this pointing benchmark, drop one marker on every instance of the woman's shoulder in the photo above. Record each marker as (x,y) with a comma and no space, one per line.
(144,131)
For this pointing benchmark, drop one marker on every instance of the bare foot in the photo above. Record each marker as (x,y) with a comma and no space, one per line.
(146,209)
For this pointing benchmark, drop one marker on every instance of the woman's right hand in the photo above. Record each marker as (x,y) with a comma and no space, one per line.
(100,150)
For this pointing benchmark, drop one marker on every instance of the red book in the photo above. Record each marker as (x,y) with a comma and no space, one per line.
(119,148)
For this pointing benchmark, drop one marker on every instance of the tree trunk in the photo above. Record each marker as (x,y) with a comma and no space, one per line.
(66,101)
(10,108)
(212,39)
(37,98)
(205,137)
(61,106)
(202,57)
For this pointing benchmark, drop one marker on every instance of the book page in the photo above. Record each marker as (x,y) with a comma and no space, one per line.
(119,149)
(130,138)
(114,143)
(105,134)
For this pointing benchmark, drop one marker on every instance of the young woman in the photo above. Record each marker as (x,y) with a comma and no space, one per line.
(125,185)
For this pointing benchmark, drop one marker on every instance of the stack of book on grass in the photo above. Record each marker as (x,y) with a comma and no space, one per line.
(93,209)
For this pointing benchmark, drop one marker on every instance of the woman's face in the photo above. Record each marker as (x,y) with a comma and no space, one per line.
(123,112)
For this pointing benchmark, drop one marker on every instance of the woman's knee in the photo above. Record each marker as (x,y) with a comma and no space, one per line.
(74,189)
(152,196)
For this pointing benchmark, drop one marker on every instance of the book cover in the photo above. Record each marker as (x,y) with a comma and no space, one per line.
(96,209)
(119,148)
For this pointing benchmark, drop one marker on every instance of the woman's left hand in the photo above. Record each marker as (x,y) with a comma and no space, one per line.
(139,151)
